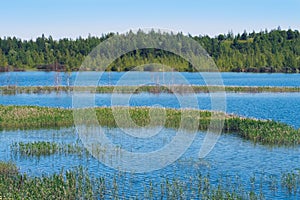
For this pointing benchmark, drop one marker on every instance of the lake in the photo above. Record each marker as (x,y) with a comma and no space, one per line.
(112,78)
(232,156)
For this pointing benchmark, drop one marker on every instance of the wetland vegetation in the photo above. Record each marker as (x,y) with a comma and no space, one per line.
(43,148)
(266,51)
(258,131)
(181,89)
(79,184)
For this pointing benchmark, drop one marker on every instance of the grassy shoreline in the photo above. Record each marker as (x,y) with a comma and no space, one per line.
(258,131)
(12,90)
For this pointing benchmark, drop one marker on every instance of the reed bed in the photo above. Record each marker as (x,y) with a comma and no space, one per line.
(13,90)
(32,117)
(43,148)
(290,181)
(8,168)
(257,131)
(80,184)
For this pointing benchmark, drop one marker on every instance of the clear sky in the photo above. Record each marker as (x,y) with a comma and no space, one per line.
(28,19)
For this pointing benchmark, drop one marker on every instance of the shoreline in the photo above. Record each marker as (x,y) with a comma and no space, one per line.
(154,89)
(73,71)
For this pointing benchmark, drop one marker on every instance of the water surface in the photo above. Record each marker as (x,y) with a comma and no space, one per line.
(231,156)
(136,78)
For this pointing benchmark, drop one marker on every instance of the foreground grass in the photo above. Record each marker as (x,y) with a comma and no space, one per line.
(79,184)
(258,131)
(8,168)
(12,90)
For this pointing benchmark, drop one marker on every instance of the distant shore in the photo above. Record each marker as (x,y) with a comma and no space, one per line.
(250,70)
(155,89)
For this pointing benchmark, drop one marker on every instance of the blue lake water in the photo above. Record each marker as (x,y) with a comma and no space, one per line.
(238,157)
(113,78)
(231,155)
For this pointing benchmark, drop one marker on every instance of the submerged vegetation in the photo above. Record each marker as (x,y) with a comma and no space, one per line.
(79,184)
(258,131)
(13,90)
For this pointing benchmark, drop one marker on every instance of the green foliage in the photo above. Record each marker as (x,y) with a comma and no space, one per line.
(273,51)
(291,181)
(258,131)
(263,132)
(13,117)
(8,168)
(79,184)
(45,148)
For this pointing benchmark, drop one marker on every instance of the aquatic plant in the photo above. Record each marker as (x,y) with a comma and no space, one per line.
(30,117)
(258,131)
(13,90)
(263,131)
(78,183)
(8,168)
(290,181)
(43,148)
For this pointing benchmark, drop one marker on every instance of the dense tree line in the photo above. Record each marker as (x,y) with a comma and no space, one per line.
(266,51)
(274,51)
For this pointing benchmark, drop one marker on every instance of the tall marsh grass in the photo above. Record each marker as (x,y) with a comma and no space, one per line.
(43,148)
(80,184)
(258,131)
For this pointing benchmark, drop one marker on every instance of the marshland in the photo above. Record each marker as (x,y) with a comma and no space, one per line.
(158,89)
(258,131)
(256,156)
(97,104)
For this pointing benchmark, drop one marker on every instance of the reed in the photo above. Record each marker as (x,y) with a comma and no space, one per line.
(263,131)
(31,117)
(80,184)
(290,181)
(258,131)
(13,90)
(43,148)
(8,168)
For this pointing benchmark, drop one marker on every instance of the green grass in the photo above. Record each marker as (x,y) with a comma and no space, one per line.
(45,148)
(257,131)
(13,90)
(7,168)
(79,184)
(32,117)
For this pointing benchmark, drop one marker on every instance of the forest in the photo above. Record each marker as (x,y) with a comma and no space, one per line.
(265,51)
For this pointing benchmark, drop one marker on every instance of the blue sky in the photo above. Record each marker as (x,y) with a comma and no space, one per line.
(28,19)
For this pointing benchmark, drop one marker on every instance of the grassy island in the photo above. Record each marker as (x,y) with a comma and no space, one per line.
(181,89)
(258,131)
